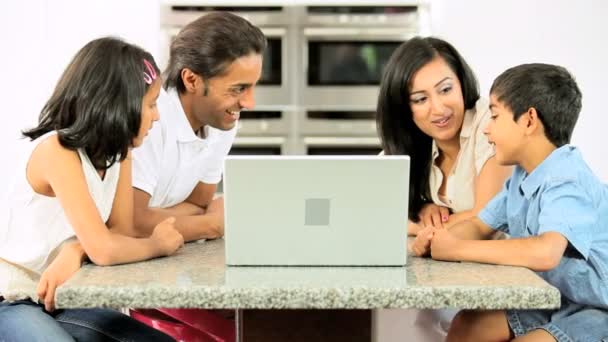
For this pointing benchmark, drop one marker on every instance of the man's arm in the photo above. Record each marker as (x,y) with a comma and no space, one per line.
(538,253)
(202,195)
(192,221)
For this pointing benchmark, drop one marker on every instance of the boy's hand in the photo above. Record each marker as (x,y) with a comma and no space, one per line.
(67,262)
(444,245)
(413,228)
(167,239)
(422,243)
(433,215)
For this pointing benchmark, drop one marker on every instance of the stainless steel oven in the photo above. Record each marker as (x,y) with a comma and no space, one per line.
(342,145)
(321,71)
(345,50)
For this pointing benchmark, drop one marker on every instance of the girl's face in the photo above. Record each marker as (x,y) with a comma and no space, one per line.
(149,111)
(436,101)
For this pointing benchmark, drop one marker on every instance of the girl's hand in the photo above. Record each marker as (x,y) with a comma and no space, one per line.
(433,215)
(167,239)
(61,269)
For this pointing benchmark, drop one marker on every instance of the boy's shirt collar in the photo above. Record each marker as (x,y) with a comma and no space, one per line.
(532,182)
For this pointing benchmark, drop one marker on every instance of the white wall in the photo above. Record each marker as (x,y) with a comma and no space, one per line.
(495,35)
(38,38)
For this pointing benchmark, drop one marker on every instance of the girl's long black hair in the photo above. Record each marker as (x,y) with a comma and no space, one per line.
(97,102)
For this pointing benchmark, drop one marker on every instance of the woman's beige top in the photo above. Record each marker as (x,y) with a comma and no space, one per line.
(475,150)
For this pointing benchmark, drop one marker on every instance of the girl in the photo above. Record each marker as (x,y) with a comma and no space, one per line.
(72,196)
(429,108)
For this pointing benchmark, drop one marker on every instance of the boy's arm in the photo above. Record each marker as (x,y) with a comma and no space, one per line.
(538,253)
(472,229)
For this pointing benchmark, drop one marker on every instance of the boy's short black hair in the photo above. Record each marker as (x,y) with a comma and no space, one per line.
(550,89)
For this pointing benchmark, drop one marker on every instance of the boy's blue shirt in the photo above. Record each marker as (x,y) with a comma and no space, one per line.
(561,195)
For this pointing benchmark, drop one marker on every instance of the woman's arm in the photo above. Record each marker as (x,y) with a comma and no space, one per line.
(487,184)
(59,170)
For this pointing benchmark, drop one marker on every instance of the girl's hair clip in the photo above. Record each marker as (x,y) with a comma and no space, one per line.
(149,76)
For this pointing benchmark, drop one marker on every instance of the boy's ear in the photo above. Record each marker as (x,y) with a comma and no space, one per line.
(530,121)
(191,80)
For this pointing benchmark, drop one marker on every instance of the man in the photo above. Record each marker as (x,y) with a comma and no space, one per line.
(214,65)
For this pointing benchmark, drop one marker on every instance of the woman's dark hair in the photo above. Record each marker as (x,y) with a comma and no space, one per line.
(97,102)
(208,45)
(395,123)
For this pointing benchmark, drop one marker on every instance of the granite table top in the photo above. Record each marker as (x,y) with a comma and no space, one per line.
(197,277)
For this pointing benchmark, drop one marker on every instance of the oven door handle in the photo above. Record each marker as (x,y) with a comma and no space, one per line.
(259,141)
(273,31)
(341,141)
(357,33)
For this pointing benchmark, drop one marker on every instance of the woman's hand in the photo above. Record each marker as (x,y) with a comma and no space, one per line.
(67,262)
(433,215)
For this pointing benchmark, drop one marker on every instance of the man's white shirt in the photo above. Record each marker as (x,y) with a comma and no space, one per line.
(173,159)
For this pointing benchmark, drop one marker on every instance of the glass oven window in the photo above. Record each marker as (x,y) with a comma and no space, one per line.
(343,150)
(255,150)
(271,64)
(348,63)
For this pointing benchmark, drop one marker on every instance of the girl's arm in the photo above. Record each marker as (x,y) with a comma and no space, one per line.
(487,184)
(57,170)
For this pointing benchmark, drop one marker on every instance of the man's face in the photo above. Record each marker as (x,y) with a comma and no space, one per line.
(507,135)
(220,100)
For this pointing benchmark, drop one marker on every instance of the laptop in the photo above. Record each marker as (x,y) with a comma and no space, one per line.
(316,210)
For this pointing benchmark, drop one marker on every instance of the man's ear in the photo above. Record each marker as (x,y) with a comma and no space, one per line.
(191,80)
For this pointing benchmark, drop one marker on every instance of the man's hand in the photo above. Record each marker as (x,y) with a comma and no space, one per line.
(67,262)
(433,215)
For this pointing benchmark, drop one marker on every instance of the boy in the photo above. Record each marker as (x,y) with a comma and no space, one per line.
(553,206)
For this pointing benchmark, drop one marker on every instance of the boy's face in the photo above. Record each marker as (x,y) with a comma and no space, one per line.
(507,135)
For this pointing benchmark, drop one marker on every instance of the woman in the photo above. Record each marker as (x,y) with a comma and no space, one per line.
(429,108)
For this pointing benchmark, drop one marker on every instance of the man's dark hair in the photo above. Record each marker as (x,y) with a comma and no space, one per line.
(208,45)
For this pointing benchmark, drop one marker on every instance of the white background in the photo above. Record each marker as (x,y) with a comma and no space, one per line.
(39,37)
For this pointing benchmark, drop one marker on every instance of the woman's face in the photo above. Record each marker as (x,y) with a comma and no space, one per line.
(149,112)
(436,101)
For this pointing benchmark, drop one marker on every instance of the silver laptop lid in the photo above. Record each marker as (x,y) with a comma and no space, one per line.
(316,210)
